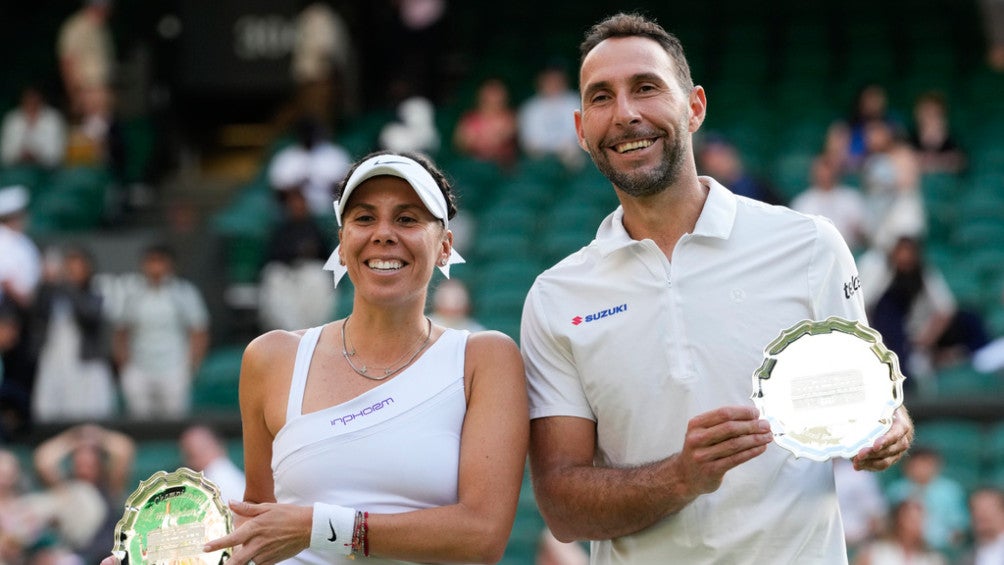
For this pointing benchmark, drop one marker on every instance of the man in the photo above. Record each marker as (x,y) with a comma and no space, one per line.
(640,347)
(160,339)
(987,508)
(20,273)
(545,125)
(203,450)
(842,204)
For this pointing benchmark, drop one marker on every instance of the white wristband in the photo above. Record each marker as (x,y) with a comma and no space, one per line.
(332,528)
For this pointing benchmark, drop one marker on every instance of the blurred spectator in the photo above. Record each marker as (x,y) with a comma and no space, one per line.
(986,506)
(550,551)
(986,359)
(203,450)
(993,20)
(488,130)
(871,104)
(890,177)
(34,133)
(911,305)
(160,339)
(946,518)
(413,49)
(74,379)
(414,130)
(20,261)
(323,64)
(451,306)
(843,205)
(932,137)
(312,164)
(837,148)
(86,53)
(19,527)
(85,503)
(863,507)
(546,120)
(905,544)
(719,158)
(20,272)
(295,292)
(26,520)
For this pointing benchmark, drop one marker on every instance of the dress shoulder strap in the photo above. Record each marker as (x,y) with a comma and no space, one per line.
(304,353)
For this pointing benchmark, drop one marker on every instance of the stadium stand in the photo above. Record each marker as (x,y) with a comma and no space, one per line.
(776,78)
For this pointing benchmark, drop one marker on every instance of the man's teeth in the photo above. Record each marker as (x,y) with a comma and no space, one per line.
(385,265)
(631,145)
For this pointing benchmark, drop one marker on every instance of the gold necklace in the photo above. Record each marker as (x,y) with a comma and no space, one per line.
(387,371)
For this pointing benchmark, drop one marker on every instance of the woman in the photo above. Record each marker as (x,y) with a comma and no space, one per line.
(382,434)
(905,545)
(74,377)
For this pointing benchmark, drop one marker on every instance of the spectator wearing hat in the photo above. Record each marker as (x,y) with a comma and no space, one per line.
(20,272)
(312,164)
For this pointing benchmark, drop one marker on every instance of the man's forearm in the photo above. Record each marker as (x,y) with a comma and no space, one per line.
(596,503)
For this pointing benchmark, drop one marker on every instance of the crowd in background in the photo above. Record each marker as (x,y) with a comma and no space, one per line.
(80,345)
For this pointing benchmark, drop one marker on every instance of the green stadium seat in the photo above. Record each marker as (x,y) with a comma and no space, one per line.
(963,381)
(215,385)
(961,445)
(73,199)
(952,437)
(791,172)
(32,178)
(153,456)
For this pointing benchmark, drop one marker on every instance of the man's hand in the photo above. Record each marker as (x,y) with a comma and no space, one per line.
(718,441)
(889,448)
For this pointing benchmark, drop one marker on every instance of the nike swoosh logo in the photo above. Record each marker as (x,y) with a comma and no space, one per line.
(334,536)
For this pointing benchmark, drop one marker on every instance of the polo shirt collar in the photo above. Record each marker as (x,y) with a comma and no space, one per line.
(716,219)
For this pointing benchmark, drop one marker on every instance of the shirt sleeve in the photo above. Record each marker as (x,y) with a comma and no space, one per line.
(552,378)
(938,292)
(193,308)
(834,283)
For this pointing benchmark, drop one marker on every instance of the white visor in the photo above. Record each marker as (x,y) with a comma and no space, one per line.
(417,177)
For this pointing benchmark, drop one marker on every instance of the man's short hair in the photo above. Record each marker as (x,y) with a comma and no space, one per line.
(636,25)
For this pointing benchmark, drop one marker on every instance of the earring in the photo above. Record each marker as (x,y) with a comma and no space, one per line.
(442,262)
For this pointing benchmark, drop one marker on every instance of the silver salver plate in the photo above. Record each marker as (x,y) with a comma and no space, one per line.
(828,388)
(169,518)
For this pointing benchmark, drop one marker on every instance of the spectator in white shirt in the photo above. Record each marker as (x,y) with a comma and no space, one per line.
(33,133)
(841,204)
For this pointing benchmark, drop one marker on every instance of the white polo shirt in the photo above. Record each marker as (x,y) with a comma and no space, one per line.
(616,334)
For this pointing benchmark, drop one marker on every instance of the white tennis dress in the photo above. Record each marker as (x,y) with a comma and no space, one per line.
(392,449)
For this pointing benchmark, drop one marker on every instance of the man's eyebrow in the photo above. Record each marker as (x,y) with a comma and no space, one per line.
(634,79)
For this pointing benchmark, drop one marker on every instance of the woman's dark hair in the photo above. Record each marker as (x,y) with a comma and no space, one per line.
(421,159)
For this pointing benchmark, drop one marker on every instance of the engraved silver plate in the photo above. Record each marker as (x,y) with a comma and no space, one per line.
(169,518)
(828,388)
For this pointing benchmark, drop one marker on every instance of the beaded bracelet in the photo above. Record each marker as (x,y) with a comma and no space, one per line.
(360,534)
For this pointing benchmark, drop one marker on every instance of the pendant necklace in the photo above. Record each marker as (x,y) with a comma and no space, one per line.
(388,371)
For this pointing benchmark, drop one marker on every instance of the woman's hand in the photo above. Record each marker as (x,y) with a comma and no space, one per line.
(266,533)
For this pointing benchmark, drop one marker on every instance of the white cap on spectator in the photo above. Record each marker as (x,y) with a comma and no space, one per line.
(13,199)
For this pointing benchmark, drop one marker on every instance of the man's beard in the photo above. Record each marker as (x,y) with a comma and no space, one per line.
(638,182)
